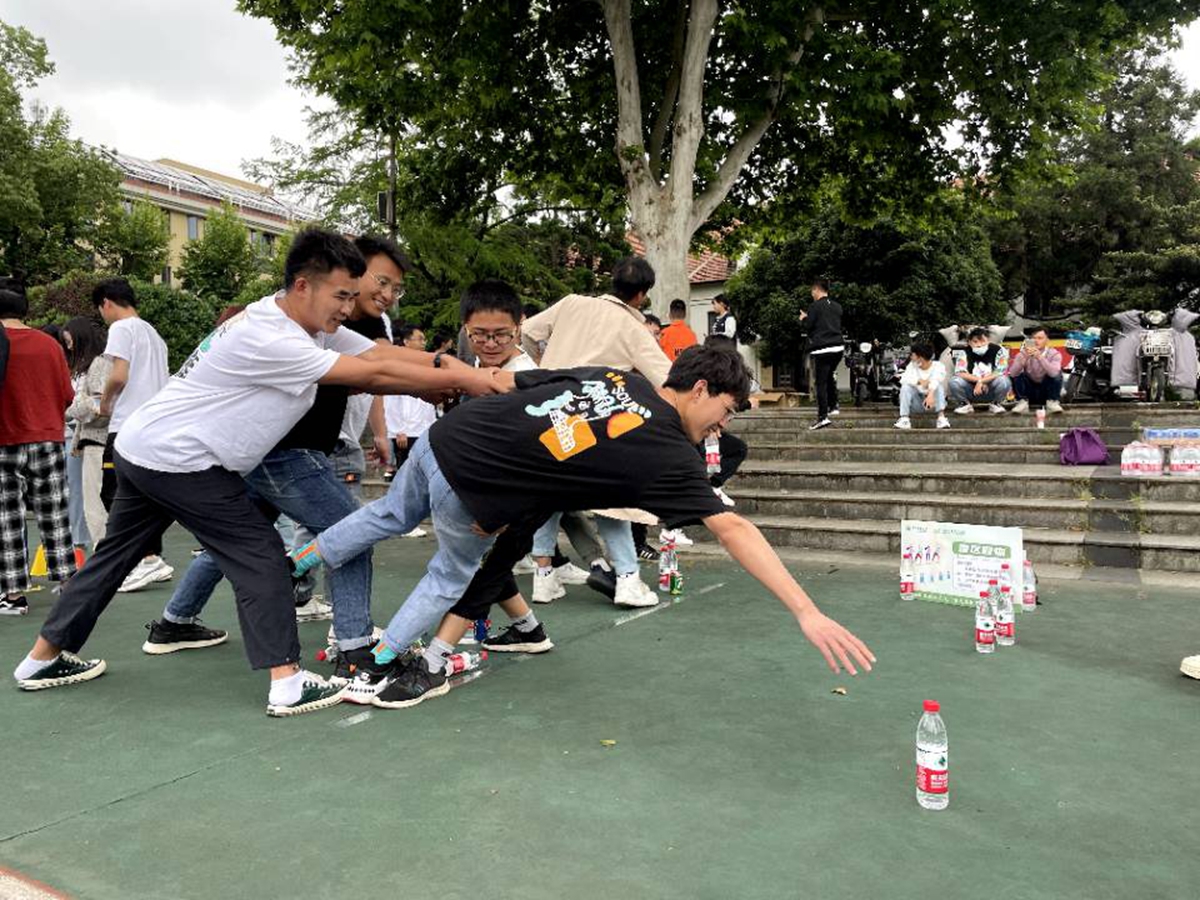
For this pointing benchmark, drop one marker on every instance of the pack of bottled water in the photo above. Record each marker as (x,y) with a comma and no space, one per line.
(1139,460)
(1185,460)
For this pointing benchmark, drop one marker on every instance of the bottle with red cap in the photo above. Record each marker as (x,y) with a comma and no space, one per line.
(1006,629)
(933,786)
(985,624)
(908,583)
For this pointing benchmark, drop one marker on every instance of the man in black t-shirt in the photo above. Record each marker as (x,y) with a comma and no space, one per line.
(565,439)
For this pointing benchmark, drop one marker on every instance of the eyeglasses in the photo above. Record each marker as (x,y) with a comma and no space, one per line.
(499,338)
(393,289)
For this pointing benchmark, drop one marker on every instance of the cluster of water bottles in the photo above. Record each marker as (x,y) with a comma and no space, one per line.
(1139,460)
(670,580)
(995,619)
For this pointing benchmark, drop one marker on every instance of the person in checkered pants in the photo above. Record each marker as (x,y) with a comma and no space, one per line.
(33,467)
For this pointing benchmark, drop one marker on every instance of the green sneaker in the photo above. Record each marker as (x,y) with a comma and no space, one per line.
(317,694)
(66,669)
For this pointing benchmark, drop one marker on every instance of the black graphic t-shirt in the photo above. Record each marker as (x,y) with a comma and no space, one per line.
(589,438)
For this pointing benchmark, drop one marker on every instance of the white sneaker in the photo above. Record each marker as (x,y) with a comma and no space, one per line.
(162,571)
(571,574)
(965,410)
(146,573)
(904,423)
(315,610)
(725,498)
(834,412)
(942,421)
(1190,667)
(525,566)
(996,409)
(547,588)
(675,536)
(1053,406)
(1021,407)
(416,532)
(632,591)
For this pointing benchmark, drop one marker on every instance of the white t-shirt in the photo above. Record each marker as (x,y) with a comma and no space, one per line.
(924,380)
(135,341)
(358,406)
(409,416)
(238,394)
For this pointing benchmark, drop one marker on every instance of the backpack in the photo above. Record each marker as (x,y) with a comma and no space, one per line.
(1082,447)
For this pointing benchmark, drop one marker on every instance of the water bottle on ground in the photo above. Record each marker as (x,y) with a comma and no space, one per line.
(933,786)
(1005,578)
(1006,628)
(907,581)
(1028,588)
(457,663)
(712,454)
(667,564)
(985,625)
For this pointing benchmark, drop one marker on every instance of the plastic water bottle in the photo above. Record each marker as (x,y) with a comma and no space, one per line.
(985,625)
(1154,459)
(1028,588)
(1005,578)
(457,663)
(994,593)
(712,454)
(668,563)
(907,582)
(1006,628)
(933,753)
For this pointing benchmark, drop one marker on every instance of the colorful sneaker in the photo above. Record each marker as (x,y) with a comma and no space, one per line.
(13,606)
(569,573)
(512,640)
(316,694)
(410,685)
(66,669)
(315,610)
(167,637)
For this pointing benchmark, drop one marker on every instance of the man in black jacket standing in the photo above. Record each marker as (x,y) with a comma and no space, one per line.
(825,346)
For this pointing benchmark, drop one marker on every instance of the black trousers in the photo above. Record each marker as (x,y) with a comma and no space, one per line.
(108,484)
(214,506)
(824,369)
(494,581)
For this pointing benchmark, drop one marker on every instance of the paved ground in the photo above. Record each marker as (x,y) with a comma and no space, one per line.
(736,773)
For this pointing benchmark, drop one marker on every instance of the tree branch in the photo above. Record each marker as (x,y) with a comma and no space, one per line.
(631,151)
(707,203)
(659,133)
(689,112)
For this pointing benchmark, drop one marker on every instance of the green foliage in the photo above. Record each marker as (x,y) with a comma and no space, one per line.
(890,277)
(182,319)
(64,299)
(136,243)
(221,263)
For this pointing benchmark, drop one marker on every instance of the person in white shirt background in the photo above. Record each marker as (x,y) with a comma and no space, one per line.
(922,387)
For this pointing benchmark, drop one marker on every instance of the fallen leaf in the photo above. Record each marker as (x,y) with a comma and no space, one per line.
(839,690)
(608,743)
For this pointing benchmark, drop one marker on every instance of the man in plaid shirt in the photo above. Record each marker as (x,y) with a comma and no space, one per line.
(33,465)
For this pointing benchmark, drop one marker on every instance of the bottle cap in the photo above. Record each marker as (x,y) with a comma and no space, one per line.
(932,706)
(993,581)
(1005,589)
(983,595)
(1003,566)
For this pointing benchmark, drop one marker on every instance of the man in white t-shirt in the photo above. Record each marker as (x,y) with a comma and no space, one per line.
(182,455)
(139,371)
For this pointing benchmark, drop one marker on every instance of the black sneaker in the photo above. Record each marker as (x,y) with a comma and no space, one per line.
(316,694)
(66,669)
(349,662)
(371,677)
(647,553)
(603,581)
(512,640)
(410,685)
(167,637)
(13,606)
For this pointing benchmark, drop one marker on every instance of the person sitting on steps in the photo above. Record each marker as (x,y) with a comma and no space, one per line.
(922,386)
(1036,375)
(981,378)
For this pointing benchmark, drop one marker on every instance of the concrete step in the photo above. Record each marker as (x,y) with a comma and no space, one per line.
(992,433)
(1068,514)
(851,537)
(906,453)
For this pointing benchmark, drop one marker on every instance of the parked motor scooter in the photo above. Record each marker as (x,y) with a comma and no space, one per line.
(1156,355)
(872,372)
(1089,374)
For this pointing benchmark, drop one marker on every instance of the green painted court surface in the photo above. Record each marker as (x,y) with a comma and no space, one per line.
(736,773)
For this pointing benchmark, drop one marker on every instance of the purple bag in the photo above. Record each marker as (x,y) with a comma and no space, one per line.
(1082,447)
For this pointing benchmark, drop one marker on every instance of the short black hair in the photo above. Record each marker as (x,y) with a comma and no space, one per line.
(653,319)
(490,295)
(374,245)
(1035,329)
(13,302)
(632,276)
(721,367)
(822,283)
(721,341)
(720,298)
(403,332)
(677,309)
(316,251)
(978,333)
(923,349)
(530,310)
(118,290)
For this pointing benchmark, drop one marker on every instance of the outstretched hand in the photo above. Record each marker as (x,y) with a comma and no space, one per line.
(836,643)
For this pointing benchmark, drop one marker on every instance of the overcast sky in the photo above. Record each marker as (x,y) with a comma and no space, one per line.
(192,79)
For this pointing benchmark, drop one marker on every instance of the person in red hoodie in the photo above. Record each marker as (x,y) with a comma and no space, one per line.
(33,465)
(677,336)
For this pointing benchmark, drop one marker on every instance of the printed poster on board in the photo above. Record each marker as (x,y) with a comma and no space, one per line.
(952,563)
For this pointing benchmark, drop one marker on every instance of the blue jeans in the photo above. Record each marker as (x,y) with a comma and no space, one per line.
(418,490)
(79,529)
(301,485)
(963,391)
(350,466)
(912,399)
(617,535)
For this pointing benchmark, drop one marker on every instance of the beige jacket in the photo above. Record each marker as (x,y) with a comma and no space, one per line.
(595,331)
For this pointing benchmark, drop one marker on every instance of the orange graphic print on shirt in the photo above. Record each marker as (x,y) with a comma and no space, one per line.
(570,414)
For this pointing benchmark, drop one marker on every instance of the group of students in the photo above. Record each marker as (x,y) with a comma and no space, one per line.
(250,427)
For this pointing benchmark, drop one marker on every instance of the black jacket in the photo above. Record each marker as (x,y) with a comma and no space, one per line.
(824,324)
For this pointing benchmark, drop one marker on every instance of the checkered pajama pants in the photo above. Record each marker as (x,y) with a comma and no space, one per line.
(34,474)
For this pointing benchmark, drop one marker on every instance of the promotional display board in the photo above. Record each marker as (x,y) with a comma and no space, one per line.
(952,563)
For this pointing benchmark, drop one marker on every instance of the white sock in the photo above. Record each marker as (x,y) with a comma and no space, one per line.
(627,575)
(545,571)
(30,666)
(286,691)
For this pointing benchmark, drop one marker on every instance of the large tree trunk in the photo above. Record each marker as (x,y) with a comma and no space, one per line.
(666,250)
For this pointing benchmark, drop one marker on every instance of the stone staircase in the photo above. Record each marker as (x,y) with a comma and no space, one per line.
(845,489)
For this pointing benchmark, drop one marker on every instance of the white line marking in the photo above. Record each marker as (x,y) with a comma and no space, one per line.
(356,719)
(665,604)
